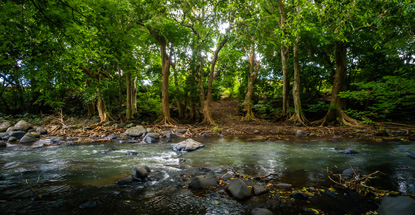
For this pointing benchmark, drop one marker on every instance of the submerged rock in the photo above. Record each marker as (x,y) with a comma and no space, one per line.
(300,133)
(17,134)
(261,211)
(126,180)
(88,205)
(412,155)
(28,138)
(298,195)
(141,172)
(284,185)
(3,144)
(131,153)
(152,138)
(205,181)
(259,190)
(350,151)
(136,131)
(239,190)
(401,205)
(188,145)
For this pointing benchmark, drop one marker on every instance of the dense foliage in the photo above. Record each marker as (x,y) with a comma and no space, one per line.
(300,60)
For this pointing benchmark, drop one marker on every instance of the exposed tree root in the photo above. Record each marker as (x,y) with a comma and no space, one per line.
(167,122)
(341,118)
(298,118)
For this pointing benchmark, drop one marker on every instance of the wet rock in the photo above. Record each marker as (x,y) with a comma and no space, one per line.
(18,134)
(150,130)
(103,136)
(412,155)
(3,144)
(300,133)
(28,138)
(88,205)
(133,141)
(181,130)
(204,181)
(239,190)
(188,145)
(126,180)
(131,153)
(336,137)
(41,131)
(57,140)
(5,125)
(72,143)
(112,137)
(129,125)
(35,134)
(152,138)
(261,211)
(22,125)
(351,171)
(401,205)
(350,151)
(299,196)
(284,185)
(141,172)
(169,135)
(205,135)
(136,131)
(12,139)
(259,190)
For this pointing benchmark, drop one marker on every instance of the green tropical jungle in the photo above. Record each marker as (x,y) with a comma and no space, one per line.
(259,70)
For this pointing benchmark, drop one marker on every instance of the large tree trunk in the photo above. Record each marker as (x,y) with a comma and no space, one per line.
(102,111)
(128,112)
(122,119)
(284,61)
(134,95)
(253,74)
(131,95)
(165,65)
(335,113)
(207,115)
(201,89)
(298,115)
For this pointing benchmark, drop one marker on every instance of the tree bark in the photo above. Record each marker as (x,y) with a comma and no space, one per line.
(165,65)
(128,112)
(252,76)
(298,115)
(284,61)
(335,113)
(102,111)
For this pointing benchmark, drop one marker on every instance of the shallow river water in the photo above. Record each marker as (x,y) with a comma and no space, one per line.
(81,179)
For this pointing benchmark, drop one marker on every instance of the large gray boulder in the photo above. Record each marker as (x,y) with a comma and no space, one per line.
(17,134)
(401,205)
(259,190)
(205,181)
(188,145)
(28,138)
(261,211)
(22,125)
(141,172)
(152,138)
(136,131)
(4,126)
(239,190)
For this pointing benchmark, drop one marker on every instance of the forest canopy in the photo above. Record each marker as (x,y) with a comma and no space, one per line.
(323,61)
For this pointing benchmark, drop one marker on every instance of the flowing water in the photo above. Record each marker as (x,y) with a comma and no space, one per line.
(81,179)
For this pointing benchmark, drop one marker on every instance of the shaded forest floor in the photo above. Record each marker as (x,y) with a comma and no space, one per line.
(229,123)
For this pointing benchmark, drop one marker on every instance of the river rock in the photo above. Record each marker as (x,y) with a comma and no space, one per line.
(35,134)
(181,130)
(412,155)
(58,140)
(18,134)
(259,190)
(205,181)
(300,133)
(136,131)
(239,190)
(126,180)
(284,185)
(261,211)
(401,205)
(28,138)
(3,144)
(88,205)
(131,153)
(41,130)
(12,139)
(169,135)
(205,135)
(298,195)
(188,145)
(5,125)
(112,137)
(140,172)
(150,130)
(350,151)
(152,138)
(22,125)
